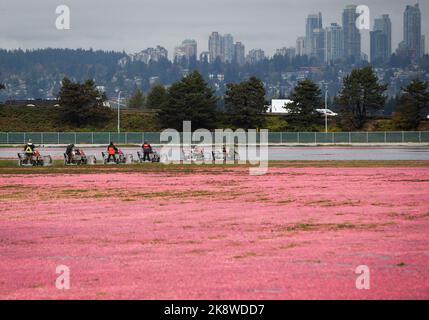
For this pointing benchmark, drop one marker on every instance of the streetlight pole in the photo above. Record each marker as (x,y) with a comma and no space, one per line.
(119,117)
(326,110)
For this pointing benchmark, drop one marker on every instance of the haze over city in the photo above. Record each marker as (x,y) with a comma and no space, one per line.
(132,25)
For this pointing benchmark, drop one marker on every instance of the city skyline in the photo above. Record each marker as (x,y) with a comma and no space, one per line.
(278,34)
(327,44)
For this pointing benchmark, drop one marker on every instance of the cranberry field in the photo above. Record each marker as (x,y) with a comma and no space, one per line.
(298,232)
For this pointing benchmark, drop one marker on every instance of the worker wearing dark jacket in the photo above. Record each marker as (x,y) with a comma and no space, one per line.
(69,152)
(29,149)
(147,149)
(112,151)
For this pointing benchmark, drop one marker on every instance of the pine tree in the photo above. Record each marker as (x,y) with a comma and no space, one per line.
(306,99)
(360,95)
(137,101)
(245,103)
(413,105)
(156,97)
(189,100)
(82,103)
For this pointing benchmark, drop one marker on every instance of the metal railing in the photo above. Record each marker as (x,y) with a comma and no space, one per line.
(273,137)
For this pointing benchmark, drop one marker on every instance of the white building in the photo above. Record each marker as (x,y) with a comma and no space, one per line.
(179,53)
(239,53)
(187,50)
(334,43)
(190,47)
(300,46)
(255,55)
(145,56)
(279,106)
(215,46)
(287,52)
(227,46)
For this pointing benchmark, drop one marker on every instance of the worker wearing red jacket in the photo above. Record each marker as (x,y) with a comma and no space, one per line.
(147,149)
(112,150)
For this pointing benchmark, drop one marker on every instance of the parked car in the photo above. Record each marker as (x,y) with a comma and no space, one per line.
(328,112)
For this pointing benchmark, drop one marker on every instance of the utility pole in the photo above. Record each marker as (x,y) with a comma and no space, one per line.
(326,109)
(119,117)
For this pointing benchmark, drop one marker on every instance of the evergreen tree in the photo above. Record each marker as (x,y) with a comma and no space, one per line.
(245,103)
(360,95)
(189,100)
(156,97)
(390,106)
(82,103)
(137,100)
(413,106)
(2,86)
(306,99)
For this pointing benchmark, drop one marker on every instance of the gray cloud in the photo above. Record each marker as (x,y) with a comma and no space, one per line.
(133,25)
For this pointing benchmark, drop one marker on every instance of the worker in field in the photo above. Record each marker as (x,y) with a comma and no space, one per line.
(112,150)
(147,150)
(69,152)
(29,150)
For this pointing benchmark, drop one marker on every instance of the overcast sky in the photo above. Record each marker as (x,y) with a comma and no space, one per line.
(133,25)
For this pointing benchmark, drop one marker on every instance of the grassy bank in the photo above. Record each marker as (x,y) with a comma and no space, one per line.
(48,119)
(10,167)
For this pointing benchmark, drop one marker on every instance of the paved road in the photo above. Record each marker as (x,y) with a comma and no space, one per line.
(280,153)
(349,153)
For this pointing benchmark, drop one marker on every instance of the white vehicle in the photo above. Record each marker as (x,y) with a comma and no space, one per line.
(279,106)
(196,153)
(225,154)
(193,154)
(328,112)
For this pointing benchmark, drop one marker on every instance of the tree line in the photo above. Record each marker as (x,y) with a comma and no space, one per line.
(42,70)
(192,99)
